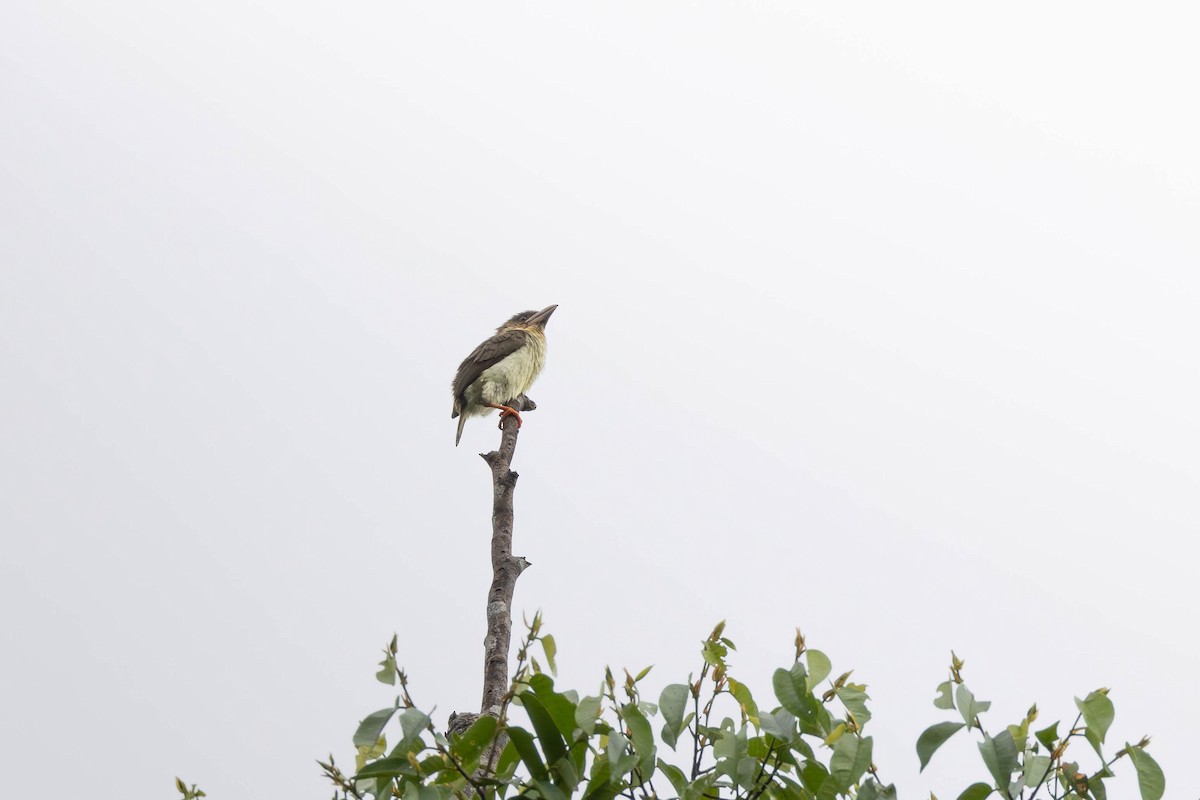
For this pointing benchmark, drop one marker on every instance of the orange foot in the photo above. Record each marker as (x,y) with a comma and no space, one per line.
(505,411)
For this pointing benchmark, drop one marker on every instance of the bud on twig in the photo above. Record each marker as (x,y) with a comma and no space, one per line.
(956,665)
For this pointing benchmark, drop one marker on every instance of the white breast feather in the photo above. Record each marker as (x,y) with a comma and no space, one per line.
(513,375)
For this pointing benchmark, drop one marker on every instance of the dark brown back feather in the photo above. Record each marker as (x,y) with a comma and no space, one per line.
(491,352)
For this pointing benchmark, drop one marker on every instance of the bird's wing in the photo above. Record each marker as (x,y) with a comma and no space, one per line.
(491,352)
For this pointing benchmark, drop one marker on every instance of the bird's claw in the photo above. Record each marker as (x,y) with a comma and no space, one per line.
(505,411)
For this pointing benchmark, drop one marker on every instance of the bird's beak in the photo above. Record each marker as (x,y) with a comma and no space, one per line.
(541,317)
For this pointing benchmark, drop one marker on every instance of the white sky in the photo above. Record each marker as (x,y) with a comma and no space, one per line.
(879,320)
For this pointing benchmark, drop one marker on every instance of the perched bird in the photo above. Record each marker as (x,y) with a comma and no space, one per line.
(460,723)
(501,369)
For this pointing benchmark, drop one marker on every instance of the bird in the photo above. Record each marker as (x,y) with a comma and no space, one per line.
(460,723)
(501,369)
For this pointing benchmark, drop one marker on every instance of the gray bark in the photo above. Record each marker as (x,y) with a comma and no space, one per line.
(506,568)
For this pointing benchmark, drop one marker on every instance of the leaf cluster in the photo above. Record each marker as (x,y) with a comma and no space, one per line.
(1024,766)
(710,739)
(706,739)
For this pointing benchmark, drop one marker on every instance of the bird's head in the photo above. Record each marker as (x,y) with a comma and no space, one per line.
(527,320)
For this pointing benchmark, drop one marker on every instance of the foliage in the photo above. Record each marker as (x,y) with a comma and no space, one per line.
(706,739)
(188,794)
(1021,765)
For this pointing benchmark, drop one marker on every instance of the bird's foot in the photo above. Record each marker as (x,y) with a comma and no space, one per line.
(505,411)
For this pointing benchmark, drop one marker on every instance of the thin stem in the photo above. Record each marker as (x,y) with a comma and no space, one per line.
(767,783)
(761,769)
(1056,763)
(697,748)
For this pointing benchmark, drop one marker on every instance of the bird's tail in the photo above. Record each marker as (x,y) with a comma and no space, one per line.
(462,420)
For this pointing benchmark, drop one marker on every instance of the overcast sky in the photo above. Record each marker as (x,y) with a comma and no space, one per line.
(877,320)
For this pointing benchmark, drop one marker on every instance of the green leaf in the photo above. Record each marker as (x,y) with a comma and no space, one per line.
(366,753)
(756,747)
(421,793)
(1037,769)
(434,764)
(819,668)
(551,650)
(781,724)
(412,722)
(1000,756)
(1151,782)
(509,758)
(944,700)
(741,693)
(714,653)
(747,770)
(617,752)
(385,768)
(800,752)
(813,776)
(1098,714)
(1020,734)
(731,748)
(586,714)
(976,791)
(615,749)
(370,728)
(1048,736)
(850,759)
(701,787)
(838,732)
(643,673)
(548,790)
(786,789)
(968,706)
(387,673)
(471,743)
(790,688)
(933,738)
(674,775)
(561,706)
(854,697)
(1065,769)
(871,790)
(523,741)
(829,790)
(600,785)
(548,734)
(643,736)
(673,703)
(602,790)
(566,775)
